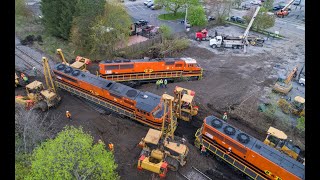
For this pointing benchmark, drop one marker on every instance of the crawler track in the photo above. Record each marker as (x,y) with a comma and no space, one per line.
(195,174)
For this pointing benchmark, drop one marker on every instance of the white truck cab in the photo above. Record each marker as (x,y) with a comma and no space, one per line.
(216,41)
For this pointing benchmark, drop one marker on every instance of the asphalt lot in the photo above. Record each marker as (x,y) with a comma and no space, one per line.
(138,10)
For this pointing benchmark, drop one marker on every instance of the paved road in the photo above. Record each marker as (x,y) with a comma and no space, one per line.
(293,25)
(138,10)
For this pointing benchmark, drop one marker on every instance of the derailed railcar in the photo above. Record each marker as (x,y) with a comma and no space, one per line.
(249,155)
(144,107)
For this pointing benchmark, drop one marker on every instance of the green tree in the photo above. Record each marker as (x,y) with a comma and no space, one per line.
(21,9)
(268,4)
(57,16)
(72,155)
(301,124)
(165,32)
(197,16)
(262,21)
(111,29)
(175,5)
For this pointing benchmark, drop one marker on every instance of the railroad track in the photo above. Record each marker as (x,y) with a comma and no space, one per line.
(195,174)
(27,58)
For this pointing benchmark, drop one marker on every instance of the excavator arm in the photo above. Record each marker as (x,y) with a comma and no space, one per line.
(64,61)
(47,74)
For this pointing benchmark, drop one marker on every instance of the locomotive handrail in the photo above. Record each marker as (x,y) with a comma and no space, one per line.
(153,75)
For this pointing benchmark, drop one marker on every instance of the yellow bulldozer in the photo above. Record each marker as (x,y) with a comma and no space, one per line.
(284,86)
(37,95)
(80,62)
(279,140)
(183,105)
(160,151)
(296,107)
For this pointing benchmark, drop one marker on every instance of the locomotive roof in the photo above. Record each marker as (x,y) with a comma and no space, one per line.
(266,151)
(146,101)
(187,60)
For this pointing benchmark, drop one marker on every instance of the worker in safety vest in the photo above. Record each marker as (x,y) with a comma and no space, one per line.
(25,78)
(203,150)
(68,115)
(225,117)
(111,147)
(158,84)
(165,82)
(34,71)
(161,83)
(229,150)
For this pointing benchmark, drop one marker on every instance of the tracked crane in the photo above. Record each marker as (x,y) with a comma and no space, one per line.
(284,11)
(38,97)
(80,62)
(160,151)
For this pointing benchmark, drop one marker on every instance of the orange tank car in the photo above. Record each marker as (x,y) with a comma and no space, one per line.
(143,69)
(258,160)
(144,107)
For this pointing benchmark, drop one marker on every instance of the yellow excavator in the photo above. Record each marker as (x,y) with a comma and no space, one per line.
(183,104)
(38,97)
(78,64)
(284,86)
(295,108)
(279,140)
(160,151)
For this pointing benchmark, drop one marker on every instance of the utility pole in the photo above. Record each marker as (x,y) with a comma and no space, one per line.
(185,18)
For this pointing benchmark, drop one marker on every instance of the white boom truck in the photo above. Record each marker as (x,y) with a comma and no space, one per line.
(234,42)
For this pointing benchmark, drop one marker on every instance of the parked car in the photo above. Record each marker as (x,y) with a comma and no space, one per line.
(237,19)
(278,7)
(245,7)
(142,22)
(150,4)
(211,18)
(255,2)
(146,2)
(156,7)
(297,2)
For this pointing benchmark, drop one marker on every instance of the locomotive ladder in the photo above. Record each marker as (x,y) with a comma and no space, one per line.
(153,75)
(105,104)
(229,159)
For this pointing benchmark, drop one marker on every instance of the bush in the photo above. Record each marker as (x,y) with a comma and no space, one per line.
(301,124)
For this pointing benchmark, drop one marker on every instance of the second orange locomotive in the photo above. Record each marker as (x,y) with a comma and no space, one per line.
(148,69)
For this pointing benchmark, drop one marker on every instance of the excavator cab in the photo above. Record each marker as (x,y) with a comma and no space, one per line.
(184,105)
(34,89)
(279,140)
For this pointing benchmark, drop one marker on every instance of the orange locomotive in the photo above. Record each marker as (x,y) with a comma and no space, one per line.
(144,107)
(146,70)
(249,155)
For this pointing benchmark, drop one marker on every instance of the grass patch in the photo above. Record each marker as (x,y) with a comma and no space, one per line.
(171,16)
(25,26)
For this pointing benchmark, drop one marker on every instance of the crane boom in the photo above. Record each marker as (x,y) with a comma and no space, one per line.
(47,74)
(286,6)
(246,32)
(64,61)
